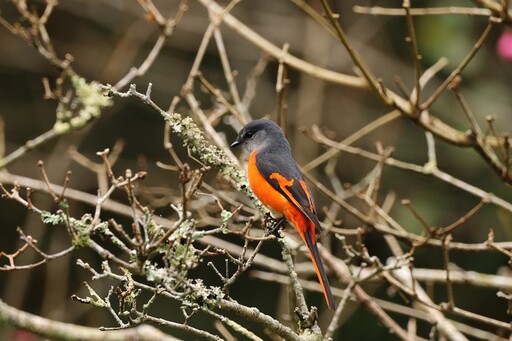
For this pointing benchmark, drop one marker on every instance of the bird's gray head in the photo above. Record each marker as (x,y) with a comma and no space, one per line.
(259,134)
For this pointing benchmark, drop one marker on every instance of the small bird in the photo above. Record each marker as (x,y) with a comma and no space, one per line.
(277,181)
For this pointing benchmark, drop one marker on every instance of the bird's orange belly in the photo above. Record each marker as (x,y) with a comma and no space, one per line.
(277,203)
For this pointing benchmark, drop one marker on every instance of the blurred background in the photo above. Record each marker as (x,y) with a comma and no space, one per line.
(108,37)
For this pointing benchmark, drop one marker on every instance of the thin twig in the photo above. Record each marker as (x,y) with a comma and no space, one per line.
(377,10)
(356,58)
(425,105)
(411,39)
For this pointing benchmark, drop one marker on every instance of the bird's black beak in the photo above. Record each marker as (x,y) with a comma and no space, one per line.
(236,143)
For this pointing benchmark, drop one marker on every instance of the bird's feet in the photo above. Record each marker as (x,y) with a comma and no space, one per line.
(274,225)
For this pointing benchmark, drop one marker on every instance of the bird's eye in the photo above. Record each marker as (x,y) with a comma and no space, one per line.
(249,135)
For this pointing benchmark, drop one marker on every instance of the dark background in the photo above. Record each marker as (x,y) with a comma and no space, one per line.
(106,38)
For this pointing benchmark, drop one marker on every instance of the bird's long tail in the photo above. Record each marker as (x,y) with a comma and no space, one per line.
(319,267)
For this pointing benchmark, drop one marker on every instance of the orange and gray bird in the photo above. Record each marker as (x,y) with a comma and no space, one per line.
(277,181)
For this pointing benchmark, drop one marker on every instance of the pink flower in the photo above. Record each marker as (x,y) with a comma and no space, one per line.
(504,45)
(23,335)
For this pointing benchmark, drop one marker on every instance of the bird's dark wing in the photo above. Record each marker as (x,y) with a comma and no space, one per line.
(282,173)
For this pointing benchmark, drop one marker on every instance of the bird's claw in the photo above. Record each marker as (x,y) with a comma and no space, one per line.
(275,225)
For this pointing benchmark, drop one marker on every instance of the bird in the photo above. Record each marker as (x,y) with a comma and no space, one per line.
(275,178)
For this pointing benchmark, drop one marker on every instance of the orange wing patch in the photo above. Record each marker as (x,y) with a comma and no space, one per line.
(283,184)
(305,188)
(293,210)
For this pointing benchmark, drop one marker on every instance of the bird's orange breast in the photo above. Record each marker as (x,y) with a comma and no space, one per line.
(264,191)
